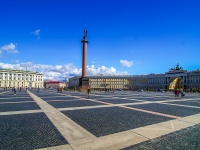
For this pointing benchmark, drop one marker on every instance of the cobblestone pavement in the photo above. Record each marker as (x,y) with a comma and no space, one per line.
(186,139)
(119,120)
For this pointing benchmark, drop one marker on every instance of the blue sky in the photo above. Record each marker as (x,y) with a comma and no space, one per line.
(126,37)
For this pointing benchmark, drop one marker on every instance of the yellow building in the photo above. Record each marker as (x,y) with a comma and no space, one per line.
(20,78)
(175,78)
(108,82)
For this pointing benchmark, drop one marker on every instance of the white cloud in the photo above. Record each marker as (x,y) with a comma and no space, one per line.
(62,72)
(126,63)
(10,48)
(92,70)
(36,33)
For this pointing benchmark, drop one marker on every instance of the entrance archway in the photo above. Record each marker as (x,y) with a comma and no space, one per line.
(176,83)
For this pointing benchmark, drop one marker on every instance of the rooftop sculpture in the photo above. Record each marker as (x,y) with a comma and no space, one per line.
(177,68)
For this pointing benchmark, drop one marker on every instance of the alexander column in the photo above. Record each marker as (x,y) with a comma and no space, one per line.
(84,81)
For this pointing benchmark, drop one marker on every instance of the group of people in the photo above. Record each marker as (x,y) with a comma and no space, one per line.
(59,90)
(177,92)
(19,89)
(108,90)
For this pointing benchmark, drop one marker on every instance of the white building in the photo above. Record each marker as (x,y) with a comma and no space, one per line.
(20,78)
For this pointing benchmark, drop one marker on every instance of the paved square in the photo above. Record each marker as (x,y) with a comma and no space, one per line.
(180,140)
(28,131)
(168,109)
(120,120)
(64,104)
(105,121)
(116,100)
(18,106)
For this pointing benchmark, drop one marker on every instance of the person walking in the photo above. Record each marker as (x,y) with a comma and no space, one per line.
(178,93)
(88,91)
(61,89)
(182,94)
(14,91)
(175,92)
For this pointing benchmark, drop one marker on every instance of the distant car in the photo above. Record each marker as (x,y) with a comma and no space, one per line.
(160,90)
(140,90)
(119,89)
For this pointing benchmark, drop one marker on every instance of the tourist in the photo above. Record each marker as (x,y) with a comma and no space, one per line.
(175,92)
(88,91)
(14,91)
(182,94)
(178,93)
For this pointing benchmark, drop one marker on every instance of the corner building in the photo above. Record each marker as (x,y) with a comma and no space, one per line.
(175,78)
(20,78)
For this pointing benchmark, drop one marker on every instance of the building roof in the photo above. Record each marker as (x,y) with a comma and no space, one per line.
(53,82)
(19,71)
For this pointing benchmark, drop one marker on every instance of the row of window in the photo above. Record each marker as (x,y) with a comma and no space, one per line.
(108,79)
(22,84)
(145,82)
(30,79)
(193,81)
(109,82)
(10,75)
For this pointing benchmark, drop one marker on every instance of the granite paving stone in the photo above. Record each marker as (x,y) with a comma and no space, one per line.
(12,95)
(16,99)
(117,101)
(63,104)
(104,121)
(46,95)
(168,109)
(186,139)
(59,98)
(28,131)
(154,99)
(34,130)
(18,106)
(145,98)
(189,103)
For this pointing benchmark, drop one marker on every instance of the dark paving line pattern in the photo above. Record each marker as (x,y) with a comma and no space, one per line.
(168,109)
(186,139)
(18,106)
(105,121)
(64,104)
(28,131)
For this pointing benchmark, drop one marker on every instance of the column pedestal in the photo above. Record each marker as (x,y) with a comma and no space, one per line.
(83,84)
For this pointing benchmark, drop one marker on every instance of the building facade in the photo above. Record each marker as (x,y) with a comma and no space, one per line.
(175,78)
(55,84)
(20,78)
